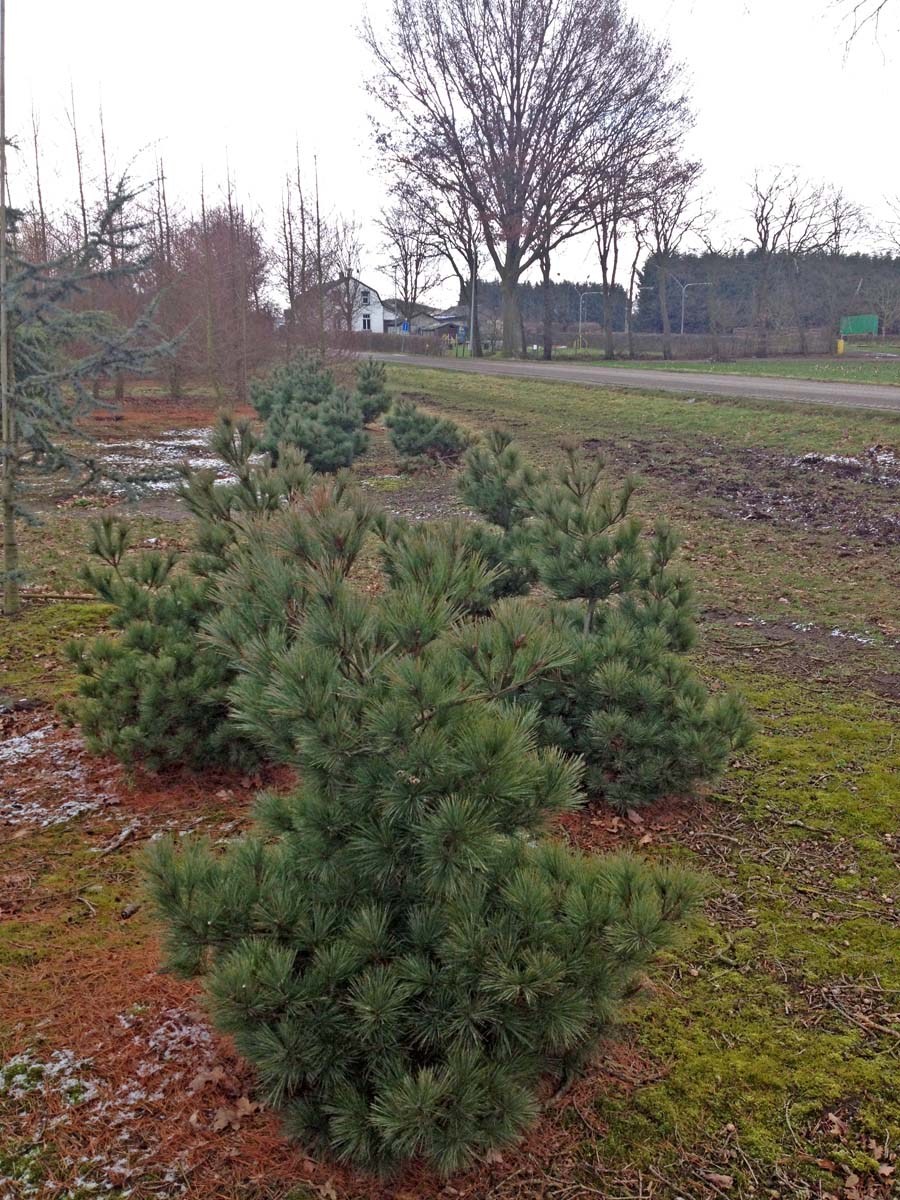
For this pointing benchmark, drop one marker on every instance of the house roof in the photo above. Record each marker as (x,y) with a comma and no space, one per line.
(419,310)
(459,312)
(353,279)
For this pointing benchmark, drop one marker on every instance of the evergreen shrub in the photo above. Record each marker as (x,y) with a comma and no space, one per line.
(628,701)
(155,692)
(398,950)
(419,437)
(371,389)
(302,407)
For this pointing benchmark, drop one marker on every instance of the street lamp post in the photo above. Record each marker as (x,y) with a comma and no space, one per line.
(684,287)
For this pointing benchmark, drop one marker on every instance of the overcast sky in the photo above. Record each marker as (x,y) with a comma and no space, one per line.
(194,80)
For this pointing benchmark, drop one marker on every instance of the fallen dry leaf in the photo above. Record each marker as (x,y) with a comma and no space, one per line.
(223,1118)
(245,1107)
(216,1075)
(722,1181)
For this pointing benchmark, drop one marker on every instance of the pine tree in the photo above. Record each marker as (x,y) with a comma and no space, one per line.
(449,551)
(157,692)
(398,951)
(302,381)
(371,389)
(497,481)
(629,702)
(330,434)
(58,350)
(303,408)
(419,437)
(500,485)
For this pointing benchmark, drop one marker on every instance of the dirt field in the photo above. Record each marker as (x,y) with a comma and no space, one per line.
(762,1057)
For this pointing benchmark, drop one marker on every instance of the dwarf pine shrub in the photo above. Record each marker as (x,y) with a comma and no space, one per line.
(628,700)
(398,950)
(419,437)
(303,408)
(371,389)
(155,691)
(501,486)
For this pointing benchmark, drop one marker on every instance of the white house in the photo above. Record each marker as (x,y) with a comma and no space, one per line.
(355,305)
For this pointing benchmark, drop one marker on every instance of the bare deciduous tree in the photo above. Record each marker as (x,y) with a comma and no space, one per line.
(453,227)
(673,211)
(411,252)
(344,296)
(863,14)
(502,104)
(882,295)
(796,219)
(790,215)
(890,230)
(647,125)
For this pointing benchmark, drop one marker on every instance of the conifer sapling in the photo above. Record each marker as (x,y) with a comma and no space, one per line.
(371,389)
(420,437)
(398,951)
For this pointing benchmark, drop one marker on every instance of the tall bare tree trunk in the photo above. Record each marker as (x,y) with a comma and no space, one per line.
(212,365)
(609,348)
(242,245)
(762,310)
(477,347)
(11,599)
(42,215)
(548,306)
(662,280)
(796,304)
(632,281)
(320,269)
(119,377)
(513,337)
(79,166)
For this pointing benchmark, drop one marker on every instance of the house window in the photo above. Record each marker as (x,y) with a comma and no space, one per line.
(366,296)
(367,320)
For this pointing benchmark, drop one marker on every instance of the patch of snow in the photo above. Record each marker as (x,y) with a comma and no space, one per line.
(862,639)
(162,454)
(58,789)
(884,456)
(879,463)
(14,749)
(175,1038)
(835,460)
(62,1072)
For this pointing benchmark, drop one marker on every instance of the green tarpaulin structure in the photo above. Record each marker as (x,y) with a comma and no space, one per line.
(855,325)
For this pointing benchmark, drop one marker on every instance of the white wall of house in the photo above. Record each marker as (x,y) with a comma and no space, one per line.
(368,310)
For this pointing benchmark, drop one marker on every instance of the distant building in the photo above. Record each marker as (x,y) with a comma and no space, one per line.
(394,320)
(450,323)
(353,305)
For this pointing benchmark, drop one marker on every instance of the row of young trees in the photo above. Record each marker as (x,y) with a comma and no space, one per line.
(211,272)
(398,948)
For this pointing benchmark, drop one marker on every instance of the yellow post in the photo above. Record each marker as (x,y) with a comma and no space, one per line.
(840,345)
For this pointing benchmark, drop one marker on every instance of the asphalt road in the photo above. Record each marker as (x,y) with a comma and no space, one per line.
(755,387)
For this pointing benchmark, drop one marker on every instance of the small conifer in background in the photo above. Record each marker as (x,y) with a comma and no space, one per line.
(419,437)
(371,389)
(303,408)
(156,691)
